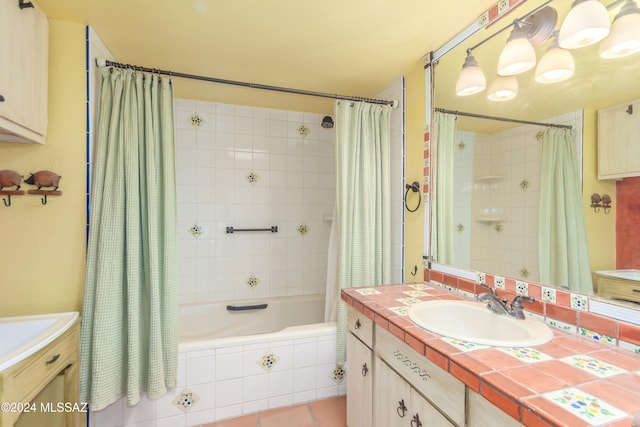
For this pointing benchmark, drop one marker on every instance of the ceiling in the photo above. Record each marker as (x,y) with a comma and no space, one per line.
(350,47)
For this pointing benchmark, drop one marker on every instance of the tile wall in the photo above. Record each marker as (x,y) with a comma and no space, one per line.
(248,168)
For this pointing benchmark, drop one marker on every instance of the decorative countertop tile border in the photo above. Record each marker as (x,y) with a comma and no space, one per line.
(572,380)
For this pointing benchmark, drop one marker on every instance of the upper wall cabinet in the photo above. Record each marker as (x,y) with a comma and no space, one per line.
(618,148)
(24,43)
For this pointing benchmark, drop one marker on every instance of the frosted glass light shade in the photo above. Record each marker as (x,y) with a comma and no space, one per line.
(586,23)
(624,38)
(503,88)
(556,65)
(518,55)
(471,79)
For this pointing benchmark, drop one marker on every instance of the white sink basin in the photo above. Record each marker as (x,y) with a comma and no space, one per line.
(22,336)
(474,322)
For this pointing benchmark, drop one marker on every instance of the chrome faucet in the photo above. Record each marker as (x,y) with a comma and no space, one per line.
(501,306)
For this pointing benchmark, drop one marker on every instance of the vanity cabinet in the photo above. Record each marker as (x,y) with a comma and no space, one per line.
(24,40)
(615,287)
(56,362)
(618,148)
(359,369)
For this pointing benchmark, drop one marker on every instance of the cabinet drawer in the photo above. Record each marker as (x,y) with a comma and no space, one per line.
(437,385)
(44,365)
(360,326)
(619,288)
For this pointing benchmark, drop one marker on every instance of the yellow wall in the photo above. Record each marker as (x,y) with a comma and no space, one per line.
(415,107)
(601,227)
(43,247)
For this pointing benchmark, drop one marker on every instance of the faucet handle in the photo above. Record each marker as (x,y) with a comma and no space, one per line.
(517,301)
(492,290)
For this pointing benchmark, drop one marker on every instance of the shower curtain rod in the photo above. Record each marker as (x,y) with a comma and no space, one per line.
(503,119)
(106,63)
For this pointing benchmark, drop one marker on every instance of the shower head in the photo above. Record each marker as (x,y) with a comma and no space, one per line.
(327,122)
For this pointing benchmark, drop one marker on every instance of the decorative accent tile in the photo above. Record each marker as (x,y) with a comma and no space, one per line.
(583,405)
(596,336)
(524,272)
(416,294)
(337,375)
(537,316)
(196,230)
(526,354)
(522,288)
(425,263)
(185,400)
(195,120)
(498,282)
(592,365)
(303,229)
(498,227)
(409,301)
(303,130)
(463,345)
(549,295)
(579,302)
(540,135)
(480,277)
(561,325)
(630,347)
(446,287)
(252,178)
(368,291)
(462,146)
(420,286)
(484,19)
(268,361)
(252,281)
(400,311)
(525,184)
(503,6)
(459,228)
(466,294)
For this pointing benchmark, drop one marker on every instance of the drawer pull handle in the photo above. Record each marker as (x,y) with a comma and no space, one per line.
(636,290)
(365,370)
(401,409)
(1,98)
(358,324)
(415,422)
(53,359)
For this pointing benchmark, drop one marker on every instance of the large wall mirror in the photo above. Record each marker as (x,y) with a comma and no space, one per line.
(497,175)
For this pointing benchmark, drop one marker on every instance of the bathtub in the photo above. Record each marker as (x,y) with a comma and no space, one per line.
(212,325)
(243,361)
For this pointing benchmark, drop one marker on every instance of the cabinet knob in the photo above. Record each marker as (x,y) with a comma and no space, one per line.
(415,422)
(358,324)
(1,98)
(401,409)
(365,370)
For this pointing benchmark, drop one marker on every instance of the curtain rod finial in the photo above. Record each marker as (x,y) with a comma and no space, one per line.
(394,104)
(101,62)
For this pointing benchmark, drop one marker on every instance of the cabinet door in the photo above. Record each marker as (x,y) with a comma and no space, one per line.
(10,27)
(618,148)
(359,383)
(423,414)
(391,397)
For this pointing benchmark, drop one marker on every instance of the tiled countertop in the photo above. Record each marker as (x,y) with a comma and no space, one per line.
(570,381)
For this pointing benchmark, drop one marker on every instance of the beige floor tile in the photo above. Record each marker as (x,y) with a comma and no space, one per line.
(292,416)
(245,421)
(330,412)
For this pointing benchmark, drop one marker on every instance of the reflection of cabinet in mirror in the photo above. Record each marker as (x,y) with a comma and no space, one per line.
(618,148)
(619,284)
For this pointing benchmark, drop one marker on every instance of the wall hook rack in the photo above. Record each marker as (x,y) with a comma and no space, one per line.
(25,4)
(46,193)
(9,193)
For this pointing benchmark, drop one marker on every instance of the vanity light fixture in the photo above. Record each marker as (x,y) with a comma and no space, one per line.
(556,65)
(471,79)
(586,23)
(624,38)
(503,88)
(518,55)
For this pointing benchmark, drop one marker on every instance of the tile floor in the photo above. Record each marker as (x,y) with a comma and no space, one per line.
(320,413)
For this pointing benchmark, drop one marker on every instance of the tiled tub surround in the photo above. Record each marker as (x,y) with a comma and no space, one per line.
(571,381)
(249,167)
(227,378)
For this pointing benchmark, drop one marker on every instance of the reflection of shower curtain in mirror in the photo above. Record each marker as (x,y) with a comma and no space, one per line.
(564,259)
(442,209)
